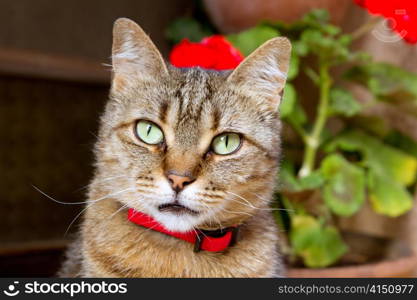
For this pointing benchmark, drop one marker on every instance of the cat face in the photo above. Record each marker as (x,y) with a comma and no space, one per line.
(193,148)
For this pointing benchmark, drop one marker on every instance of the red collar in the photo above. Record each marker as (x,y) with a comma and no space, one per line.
(214,241)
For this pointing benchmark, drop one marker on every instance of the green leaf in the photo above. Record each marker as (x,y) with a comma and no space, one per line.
(327,48)
(290,182)
(186,28)
(344,191)
(362,57)
(315,20)
(388,197)
(248,40)
(331,29)
(343,103)
(314,39)
(312,181)
(381,158)
(294,66)
(346,40)
(386,81)
(297,115)
(316,16)
(299,47)
(403,142)
(389,83)
(319,246)
(286,179)
(288,100)
(373,125)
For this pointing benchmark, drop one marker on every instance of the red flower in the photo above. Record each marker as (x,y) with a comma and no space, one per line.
(213,52)
(402,15)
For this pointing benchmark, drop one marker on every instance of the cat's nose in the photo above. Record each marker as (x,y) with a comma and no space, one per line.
(178,182)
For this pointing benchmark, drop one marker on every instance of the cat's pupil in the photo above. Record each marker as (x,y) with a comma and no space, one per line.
(149,129)
(227,140)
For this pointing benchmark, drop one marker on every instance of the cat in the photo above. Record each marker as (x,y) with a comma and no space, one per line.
(194,150)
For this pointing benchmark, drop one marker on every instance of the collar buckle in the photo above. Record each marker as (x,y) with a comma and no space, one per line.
(202,234)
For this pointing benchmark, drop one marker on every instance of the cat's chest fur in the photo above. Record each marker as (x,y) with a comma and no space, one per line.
(118,248)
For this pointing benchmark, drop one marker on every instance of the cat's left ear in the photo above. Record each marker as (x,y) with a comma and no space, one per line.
(264,72)
(134,54)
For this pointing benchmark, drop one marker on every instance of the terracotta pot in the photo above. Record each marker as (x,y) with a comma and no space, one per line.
(236,15)
(401,267)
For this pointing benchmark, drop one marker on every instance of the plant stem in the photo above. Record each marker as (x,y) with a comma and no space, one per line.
(365,28)
(300,130)
(313,140)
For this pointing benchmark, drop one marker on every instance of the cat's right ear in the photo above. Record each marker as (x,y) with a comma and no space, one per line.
(134,56)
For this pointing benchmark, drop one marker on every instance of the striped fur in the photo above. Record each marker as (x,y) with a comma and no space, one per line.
(191,106)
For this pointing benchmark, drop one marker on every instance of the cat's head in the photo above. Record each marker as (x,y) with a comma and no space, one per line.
(192,148)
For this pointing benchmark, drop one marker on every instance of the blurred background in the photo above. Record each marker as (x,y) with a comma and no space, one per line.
(53,86)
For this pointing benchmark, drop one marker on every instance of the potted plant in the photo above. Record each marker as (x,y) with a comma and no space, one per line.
(229,19)
(336,157)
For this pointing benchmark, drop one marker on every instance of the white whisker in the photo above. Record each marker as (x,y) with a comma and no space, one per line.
(152,227)
(235,212)
(244,199)
(91,202)
(110,195)
(282,209)
(82,202)
(119,210)
(212,216)
(76,217)
(101,181)
(251,205)
(57,201)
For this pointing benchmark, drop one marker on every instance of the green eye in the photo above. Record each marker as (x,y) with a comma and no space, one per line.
(149,133)
(226,143)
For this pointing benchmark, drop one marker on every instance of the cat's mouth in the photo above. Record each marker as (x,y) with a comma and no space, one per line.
(177,209)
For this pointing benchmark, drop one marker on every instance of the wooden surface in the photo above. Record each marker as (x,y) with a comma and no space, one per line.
(400,267)
(31,64)
(33,259)
(82,28)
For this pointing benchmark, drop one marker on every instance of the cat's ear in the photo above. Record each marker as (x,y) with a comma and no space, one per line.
(133,53)
(264,72)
